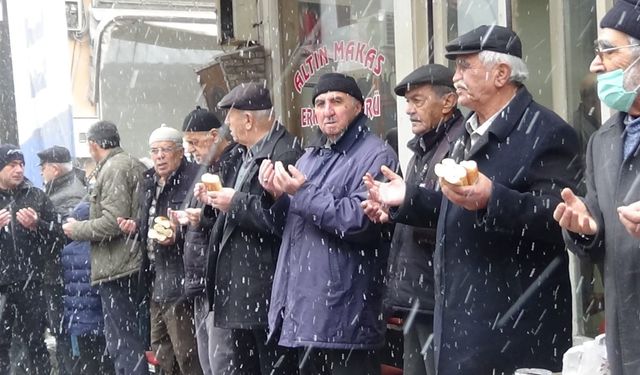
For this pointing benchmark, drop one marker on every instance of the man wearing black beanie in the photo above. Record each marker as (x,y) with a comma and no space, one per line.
(30,237)
(607,220)
(327,288)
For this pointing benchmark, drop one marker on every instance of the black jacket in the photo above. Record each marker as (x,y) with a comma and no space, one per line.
(23,252)
(410,275)
(244,246)
(196,240)
(166,272)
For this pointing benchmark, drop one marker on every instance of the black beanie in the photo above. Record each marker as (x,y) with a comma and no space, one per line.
(200,120)
(9,153)
(624,17)
(337,82)
(105,134)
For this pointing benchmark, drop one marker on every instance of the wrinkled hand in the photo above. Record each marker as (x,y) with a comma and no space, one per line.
(194,215)
(221,199)
(200,192)
(375,211)
(28,218)
(127,226)
(389,193)
(5,217)
(471,197)
(573,215)
(288,182)
(630,218)
(68,227)
(266,176)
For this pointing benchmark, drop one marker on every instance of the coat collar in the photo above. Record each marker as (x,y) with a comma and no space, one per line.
(59,182)
(356,129)
(174,178)
(268,143)
(421,144)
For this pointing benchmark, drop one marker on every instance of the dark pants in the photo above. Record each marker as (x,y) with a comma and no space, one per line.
(338,362)
(125,342)
(92,357)
(23,314)
(252,355)
(418,347)
(173,337)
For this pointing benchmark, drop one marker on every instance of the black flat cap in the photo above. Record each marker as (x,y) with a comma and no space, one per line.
(252,96)
(432,74)
(200,120)
(485,38)
(55,154)
(624,16)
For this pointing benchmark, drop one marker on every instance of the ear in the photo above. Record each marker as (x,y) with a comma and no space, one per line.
(502,72)
(248,120)
(215,135)
(449,102)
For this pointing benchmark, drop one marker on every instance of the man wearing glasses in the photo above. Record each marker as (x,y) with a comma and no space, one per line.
(606,223)
(115,259)
(166,188)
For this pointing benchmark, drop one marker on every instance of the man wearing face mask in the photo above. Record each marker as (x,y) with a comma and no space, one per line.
(606,223)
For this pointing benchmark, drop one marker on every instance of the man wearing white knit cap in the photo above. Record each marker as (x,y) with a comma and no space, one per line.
(165,191)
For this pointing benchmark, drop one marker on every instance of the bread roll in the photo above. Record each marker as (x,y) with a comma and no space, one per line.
(211,182)
(472,171)
(465,173)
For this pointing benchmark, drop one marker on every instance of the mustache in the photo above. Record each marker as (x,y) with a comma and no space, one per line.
(460,85)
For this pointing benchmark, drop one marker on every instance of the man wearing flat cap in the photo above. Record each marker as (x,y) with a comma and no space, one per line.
(503,299)
(115,259)
(166,188)
(437,124)
(63,184)
(212,147)
(244,246)
(328,285)
(30,238)
(605,223)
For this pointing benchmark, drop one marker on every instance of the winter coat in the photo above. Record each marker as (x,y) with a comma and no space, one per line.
(114,194)
(410,274)
(613,182)
(244,246)
(196,240)
(65,193)
(485,260)
(164,276)
(328,285)
(24,252)
(82,305)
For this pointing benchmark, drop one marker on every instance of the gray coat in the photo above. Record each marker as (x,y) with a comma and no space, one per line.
(114,194)
(65,193)
(612,182)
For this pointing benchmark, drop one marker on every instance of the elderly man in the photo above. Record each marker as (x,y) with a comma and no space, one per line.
(328,285)
(30,236)
(503,298)
(115,259)
(607,221)
(244,247)
(65,188)
(165,188)
(209,143)
(436,123)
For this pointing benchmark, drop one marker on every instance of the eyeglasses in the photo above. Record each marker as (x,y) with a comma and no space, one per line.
(162,150)
(601,50)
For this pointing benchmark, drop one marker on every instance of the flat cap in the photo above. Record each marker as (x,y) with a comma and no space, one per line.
(55,154)
(431,74)
(624,16)
(485,38)
(252,96)
(200,120)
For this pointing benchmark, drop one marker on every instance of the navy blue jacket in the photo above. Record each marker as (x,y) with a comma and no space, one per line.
(328,285)
(485,260)
(82,306)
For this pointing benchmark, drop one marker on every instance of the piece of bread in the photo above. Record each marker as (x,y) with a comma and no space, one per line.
(211,182)
(463,174)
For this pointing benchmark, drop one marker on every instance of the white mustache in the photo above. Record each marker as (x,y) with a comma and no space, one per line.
(460,85)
